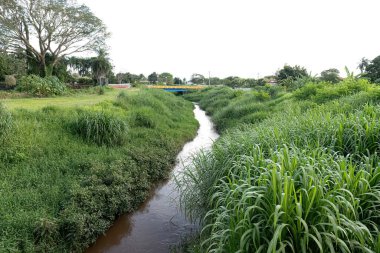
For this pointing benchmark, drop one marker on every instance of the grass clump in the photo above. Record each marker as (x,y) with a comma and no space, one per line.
(303,178)
(100,127)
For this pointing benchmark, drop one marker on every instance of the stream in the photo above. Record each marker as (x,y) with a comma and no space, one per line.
(159,223)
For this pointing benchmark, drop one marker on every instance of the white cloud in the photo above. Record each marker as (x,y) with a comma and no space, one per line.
(240,37)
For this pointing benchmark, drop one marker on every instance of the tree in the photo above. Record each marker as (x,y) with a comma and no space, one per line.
(291,73)
(153,78)
(364,63)
(232,81)
(82,65)
(197,79)
(178,81)
(166,78)
(214,81)
(372,70)
(330,75)
(55,27)
(101,67)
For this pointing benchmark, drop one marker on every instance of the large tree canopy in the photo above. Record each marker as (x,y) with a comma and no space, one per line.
(330,75)
(289,72)
(49,27)
(372,70)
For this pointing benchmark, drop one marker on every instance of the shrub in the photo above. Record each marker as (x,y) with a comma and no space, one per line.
(308,91)
(85,81)
(10,81)
(41,87)
(100,127)
(262,95)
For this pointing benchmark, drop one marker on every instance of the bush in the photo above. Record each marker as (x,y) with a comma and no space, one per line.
(85,81)
(262,95)
(41,87)
(100,127)
(10,81)
(308,91)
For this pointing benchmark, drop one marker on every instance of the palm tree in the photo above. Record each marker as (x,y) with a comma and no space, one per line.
(101,66)
(364,63)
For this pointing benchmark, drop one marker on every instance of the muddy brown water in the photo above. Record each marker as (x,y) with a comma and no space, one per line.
(159,223)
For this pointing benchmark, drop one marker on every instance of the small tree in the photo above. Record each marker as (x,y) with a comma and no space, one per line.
(330,75)
(197,79)
(372,71)
(101,67)
(364,63)
(291,73)
(177,81)
(153,78)
(166,78)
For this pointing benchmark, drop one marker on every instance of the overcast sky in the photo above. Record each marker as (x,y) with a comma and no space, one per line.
(246,38)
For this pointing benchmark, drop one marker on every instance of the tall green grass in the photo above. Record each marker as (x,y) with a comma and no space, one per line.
(100,127)
(61,189)
(304,179)
(5,121)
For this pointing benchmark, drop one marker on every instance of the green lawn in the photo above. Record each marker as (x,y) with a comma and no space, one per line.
(66,101)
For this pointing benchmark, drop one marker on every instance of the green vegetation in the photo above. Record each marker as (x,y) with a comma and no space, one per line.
(60,192)
(16,100)
(294,173)
(41,87)
(100,127)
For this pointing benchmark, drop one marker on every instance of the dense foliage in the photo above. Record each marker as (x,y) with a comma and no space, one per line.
(10,64)
(302,177)
(371,69)
(60,192)
(47,31)
(41,87)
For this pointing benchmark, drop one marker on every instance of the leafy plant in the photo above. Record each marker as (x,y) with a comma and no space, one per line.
(41,87)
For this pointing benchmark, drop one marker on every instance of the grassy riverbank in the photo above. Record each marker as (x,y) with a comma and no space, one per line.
(67,172)
(292,172)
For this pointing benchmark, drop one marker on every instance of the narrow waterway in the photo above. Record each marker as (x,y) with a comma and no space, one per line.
(159,224)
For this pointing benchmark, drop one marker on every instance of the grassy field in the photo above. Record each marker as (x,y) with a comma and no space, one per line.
(67,172)
(292,172)
(80,99)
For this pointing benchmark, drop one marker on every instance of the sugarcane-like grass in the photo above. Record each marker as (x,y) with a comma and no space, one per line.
(304,179)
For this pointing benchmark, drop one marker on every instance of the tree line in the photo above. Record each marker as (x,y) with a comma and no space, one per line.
(44,37)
